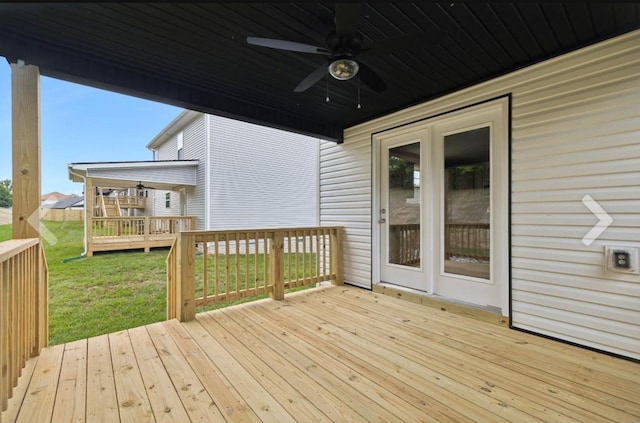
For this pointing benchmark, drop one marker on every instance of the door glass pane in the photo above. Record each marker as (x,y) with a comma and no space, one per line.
(404,205)
(467,196)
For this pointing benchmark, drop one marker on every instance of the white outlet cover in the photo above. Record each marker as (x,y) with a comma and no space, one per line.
(633,269)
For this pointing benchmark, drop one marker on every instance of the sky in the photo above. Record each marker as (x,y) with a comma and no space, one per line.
(82,124)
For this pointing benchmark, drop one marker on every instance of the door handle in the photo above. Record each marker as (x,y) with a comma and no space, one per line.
(382,220)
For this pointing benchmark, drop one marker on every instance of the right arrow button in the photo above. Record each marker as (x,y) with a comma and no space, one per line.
(604,220)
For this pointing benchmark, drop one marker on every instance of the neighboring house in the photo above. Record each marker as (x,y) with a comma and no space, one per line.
(248,176)
(533,151)
(208,173)
(73,202)
(52,198)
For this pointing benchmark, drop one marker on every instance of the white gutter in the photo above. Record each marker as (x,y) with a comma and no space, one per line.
(84,210)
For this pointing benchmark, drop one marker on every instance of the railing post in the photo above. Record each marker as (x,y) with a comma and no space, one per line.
(337,257)
(186,275)
(147,223)
(276,255)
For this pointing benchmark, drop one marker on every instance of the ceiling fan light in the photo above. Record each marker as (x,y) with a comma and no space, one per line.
(343,69)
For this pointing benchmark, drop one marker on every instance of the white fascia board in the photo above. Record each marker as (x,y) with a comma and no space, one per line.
(132,165)
(84,169)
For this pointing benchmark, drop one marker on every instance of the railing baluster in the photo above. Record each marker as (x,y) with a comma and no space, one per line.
(205,272)
(226,266)
(237,262)
(256,252)
(317,256)
(247,286)
(289,279)
(216,259)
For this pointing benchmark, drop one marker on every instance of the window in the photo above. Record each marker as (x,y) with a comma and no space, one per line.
(167,200)
(180,145)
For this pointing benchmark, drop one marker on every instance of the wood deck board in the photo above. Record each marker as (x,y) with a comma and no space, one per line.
(489,388)
(71,394)
(163,397)
(544,359)
(459,407)
(40,396)
(300,406)
(195,398)
(103,406)
(330,354)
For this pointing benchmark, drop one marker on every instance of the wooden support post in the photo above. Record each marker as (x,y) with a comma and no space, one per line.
(276,255)
(186,305)
(337,257)
(89,202)
(25,120)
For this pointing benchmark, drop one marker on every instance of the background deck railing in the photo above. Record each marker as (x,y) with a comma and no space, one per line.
(469,240)
(207,267)
(126,201)
(23,309)
(145,226)
(404,244)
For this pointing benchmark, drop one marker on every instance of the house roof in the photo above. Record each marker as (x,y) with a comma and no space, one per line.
(66,203)
(53,196)
(172,128)
(195,55)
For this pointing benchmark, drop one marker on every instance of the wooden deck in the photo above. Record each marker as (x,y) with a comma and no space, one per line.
(328,354)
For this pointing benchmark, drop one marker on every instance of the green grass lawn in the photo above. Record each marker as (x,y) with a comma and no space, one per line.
(105,293)
(102,294)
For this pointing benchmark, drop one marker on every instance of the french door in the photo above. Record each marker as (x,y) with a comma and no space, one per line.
(443,206)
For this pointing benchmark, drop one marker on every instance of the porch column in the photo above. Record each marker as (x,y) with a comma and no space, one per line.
(25,120)
(89,202)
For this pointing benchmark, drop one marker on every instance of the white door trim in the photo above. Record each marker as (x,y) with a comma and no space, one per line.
(500,241)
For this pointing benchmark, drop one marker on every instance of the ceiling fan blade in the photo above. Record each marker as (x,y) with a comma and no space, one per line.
(371,79)
(311,79)
(403,43)
(285,45)
(347,18)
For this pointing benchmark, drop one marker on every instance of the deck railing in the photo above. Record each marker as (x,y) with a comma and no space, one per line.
(207,267)
(144,226)
(125,201)
(469,240)
(404,244)
(23,309)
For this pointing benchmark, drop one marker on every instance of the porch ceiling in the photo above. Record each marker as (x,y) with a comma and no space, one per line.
(195,56)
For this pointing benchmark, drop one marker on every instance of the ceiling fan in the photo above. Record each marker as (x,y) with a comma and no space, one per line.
(141,186)
(342,47)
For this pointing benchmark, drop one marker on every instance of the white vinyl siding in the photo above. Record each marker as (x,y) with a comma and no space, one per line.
(345,199)
(261,177)
(194,149)
(167,151)
(178,175)
(575,131)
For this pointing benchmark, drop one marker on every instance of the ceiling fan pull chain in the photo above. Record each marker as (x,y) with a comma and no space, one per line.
(327,84)
(359,106)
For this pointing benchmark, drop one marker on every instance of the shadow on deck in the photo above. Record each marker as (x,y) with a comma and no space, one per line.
(327,354)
